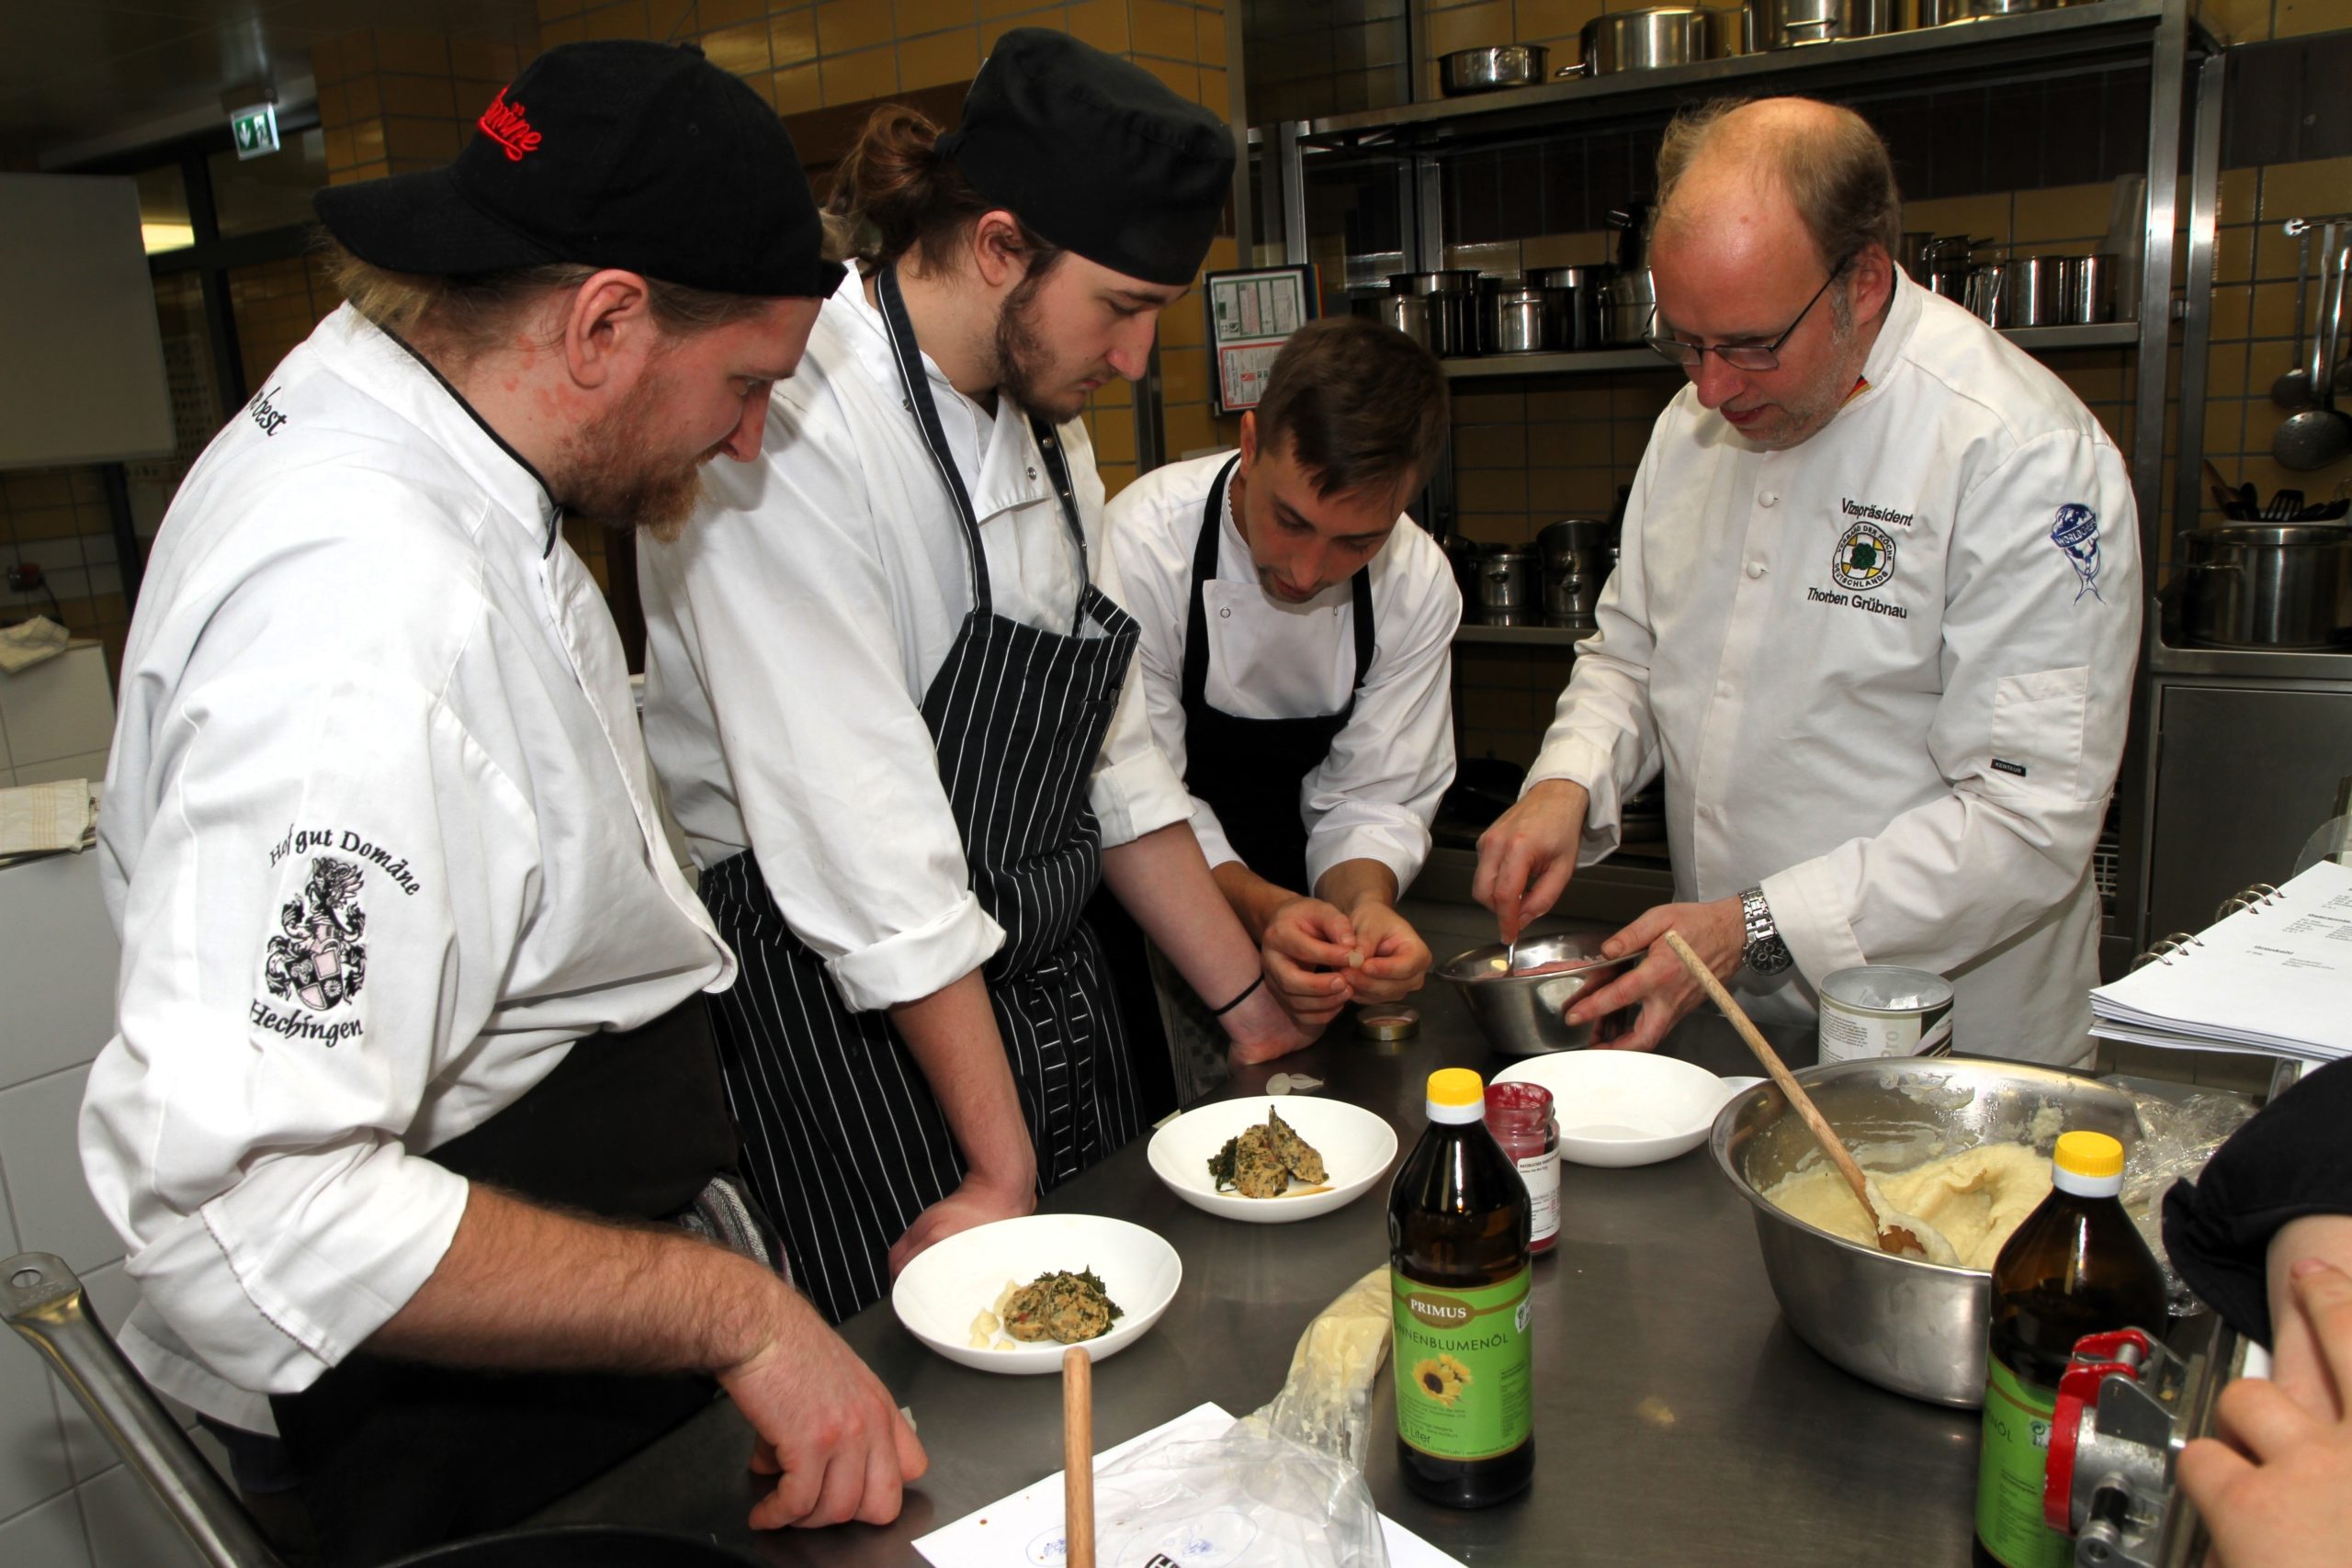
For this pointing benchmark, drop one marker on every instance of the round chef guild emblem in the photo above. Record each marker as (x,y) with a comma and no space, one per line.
(1865,558)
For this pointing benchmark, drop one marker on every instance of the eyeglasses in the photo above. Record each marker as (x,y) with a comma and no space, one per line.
(1738,356)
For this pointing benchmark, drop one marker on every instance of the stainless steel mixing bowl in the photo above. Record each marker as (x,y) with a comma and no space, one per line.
(1521,1014)
(1914,1327)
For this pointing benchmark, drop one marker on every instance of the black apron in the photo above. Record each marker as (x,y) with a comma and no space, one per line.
(843,1142)
(1252,772)
(396,1456)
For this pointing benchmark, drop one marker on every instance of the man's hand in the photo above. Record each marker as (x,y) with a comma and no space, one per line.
(1309,951)
(1395,959)
(2276,1487)
(1716,931)
(828,1429)
(1526,858)
(977,1202)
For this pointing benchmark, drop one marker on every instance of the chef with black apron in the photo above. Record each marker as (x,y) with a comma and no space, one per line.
(887,679)
(1293,643)
(413,1124)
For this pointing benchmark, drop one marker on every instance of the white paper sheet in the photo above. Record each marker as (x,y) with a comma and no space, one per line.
(1026,1530)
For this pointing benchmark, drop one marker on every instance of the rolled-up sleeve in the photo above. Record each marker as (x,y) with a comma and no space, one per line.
(2040,635)
(1375,795)
(282,1023)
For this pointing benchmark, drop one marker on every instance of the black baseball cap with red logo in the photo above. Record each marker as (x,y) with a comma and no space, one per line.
(625,154)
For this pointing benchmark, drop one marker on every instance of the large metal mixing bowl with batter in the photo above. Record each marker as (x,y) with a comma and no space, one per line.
(1915,1327)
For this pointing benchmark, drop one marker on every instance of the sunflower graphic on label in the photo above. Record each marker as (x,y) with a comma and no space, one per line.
(1442,1378)
(1865,558)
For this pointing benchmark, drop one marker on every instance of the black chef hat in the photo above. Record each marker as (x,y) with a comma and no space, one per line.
(1095,154)
(627,154)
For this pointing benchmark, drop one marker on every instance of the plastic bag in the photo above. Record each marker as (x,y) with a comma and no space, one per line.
(1248,1499)
(1326,1401)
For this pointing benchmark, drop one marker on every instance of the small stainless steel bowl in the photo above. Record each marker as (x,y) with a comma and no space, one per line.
(1915,1327)
(1521,1014)
(1491,69)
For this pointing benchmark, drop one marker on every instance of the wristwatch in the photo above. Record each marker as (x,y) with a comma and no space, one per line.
(1765,953)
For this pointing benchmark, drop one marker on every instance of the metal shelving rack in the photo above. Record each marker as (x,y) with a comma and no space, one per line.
(1417,140)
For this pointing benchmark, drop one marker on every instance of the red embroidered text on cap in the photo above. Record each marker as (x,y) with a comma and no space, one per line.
(503,123)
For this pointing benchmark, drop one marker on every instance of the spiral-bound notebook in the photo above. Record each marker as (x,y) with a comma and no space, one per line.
(2275,978)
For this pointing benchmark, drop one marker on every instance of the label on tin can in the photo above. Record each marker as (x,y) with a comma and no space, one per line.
(1879,1010)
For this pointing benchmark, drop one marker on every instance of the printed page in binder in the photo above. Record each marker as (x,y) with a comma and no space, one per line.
(2276,977)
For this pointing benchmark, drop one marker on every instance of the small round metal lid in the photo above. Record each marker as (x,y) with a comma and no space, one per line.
(1388,1021)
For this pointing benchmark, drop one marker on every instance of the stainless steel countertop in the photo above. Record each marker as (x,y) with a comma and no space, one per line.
(1677,1419)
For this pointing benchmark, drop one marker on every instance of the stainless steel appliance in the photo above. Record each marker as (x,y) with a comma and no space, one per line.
(2271,586)
(1935,12)
(2086,289)
(1505,582)
(1409,313)
(1521,321)
(1450,299)
(1576,552)
(1645,40)
(1583,301)
(2032,294)
(1491,69)
(1785,24)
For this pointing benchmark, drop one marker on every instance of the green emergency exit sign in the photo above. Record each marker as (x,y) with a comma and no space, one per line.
(256,129)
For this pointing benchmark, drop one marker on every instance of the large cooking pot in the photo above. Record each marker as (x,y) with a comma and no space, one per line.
(2274,585)
(1935,12)
(1915,1327)
(1451,300)
(1645,40)
(43,1300)
(1582,301)
(1784,23)
(1577,554)
(1491,69)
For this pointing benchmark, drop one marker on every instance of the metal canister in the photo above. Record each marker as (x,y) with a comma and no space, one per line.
(1880,1009)
(1503,581)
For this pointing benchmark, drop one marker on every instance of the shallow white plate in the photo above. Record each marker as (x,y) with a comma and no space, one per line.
(946,1287)
(1619,1108)
(1356,1145)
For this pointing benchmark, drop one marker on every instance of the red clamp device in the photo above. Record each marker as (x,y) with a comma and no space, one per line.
(2097,1357)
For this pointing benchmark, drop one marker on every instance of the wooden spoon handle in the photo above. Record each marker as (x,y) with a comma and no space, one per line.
(1831,1143)
(1077,1455)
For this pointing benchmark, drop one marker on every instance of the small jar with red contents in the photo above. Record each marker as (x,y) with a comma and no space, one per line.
(1521,1118)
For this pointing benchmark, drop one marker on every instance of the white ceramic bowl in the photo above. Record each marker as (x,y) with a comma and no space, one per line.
(1356,1145)
(946,1287)
(1619,1108)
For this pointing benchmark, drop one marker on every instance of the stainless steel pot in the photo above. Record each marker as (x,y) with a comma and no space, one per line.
(1645,40)
(1983,294)
(43,1300)
(1524,1015)
(1576,555)
(1506,576)
(1935,12)
(1450,300)
(2276,585)
(1915,1327)
(1785,24)
(1583,291)
(2086,289)
(1491,69)
(1522,320)
(1409,313)
(1631,300)
(2031,292)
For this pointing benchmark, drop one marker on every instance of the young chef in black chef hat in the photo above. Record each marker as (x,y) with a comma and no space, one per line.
(413,1061)
(887,680)
(1296,639)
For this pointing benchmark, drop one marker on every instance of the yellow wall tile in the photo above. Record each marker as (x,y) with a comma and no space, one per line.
(915,17)
(482,60)
(552,9)
(796,90)
(2301,190)
(1116,476)
(1189,428)
(421,141)
(2294,17)
(1183,324)
(1103,23)
(792,36)
(1469,26)
(731,13)
(991,10)
(2240,190)
(2060,212)
(1492,489)
(854,78)
(628,20)
(1560,22)
(1163,29)
(742,49)
(667,19)
(1976,216)
(1216,94)
(1184,81)
(423,54)
(1114,436)
(2233,255)
(567,29)
(1184,378)
(2237,21)
(847,24)
(938,59)
(1209,40)
(2227,369)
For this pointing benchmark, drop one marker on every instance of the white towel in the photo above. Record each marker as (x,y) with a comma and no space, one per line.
(47,818)
(28,643)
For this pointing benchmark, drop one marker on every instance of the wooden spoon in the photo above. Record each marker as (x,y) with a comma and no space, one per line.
(1078,1456)
(1892,1238)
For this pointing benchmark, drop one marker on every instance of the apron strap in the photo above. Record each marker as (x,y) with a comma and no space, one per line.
(908,356)
(1196,614)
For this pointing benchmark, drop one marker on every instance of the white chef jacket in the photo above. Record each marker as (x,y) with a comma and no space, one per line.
(1373,795)
(359,641)
(1886,674)
(792,633)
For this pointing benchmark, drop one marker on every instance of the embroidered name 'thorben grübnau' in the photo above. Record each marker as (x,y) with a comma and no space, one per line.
(503,123)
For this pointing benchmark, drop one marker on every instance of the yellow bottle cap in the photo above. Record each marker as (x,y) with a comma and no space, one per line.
(2087,1153)
(1456,1086)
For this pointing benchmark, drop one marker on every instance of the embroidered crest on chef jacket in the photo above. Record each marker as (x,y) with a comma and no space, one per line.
(318,960)
(1865,558)
(2076,533)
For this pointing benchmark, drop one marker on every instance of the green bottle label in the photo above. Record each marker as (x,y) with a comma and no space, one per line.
(2009,1471)
(1463,1386)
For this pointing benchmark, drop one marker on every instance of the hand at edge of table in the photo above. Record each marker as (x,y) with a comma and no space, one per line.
(2274,1486)
(1666,994)
(977,1202)
(828,1429)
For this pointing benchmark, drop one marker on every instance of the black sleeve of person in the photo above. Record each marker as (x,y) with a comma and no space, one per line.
(2293,1158)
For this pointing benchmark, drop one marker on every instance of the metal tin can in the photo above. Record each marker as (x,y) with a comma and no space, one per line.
(1879,1010)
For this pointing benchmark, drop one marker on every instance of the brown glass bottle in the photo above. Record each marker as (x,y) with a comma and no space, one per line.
(2076,1266)
(1459,1274)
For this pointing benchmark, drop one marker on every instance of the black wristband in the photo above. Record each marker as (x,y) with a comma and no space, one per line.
(1247,992)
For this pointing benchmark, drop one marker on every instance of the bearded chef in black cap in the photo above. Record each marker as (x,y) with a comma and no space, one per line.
(887,680)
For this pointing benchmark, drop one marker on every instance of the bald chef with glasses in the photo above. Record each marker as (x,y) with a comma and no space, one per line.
(1874,619)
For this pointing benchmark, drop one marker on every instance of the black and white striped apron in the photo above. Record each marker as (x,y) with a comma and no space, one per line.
(843,1142)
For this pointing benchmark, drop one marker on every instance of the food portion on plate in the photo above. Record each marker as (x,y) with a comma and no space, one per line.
(1061,1306)
(1262,1160)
